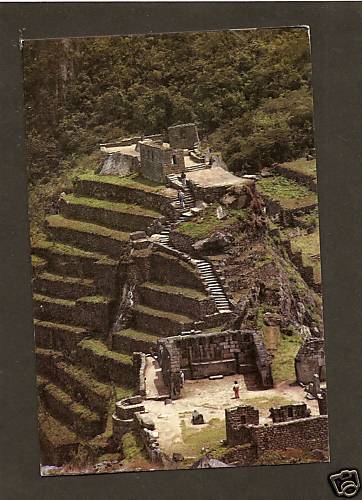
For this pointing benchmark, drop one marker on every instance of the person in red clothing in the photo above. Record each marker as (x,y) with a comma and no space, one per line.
(236,389)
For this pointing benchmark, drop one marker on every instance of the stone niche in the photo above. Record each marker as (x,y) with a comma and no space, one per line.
(289,412)
(159,160)
(183,136)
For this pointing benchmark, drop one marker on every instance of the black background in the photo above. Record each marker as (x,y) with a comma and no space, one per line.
(336,36)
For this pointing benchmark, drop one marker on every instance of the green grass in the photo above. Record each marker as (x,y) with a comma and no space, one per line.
(95,299)
(122,393)
(49,324)
(65,279)
(137,335)
(63,249)
(179,318)
(99,349)
(53,300)
(283,362)
(48,189)
(74,407)
(187,292)
(131,448)
(133,181)
(86,379)
(302,166)
(57,433)
(58,221)
(38,261)
(111,206)
(207,223)
(288,192)
(198,437)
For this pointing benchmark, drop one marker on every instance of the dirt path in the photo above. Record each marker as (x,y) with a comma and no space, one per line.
(155,386)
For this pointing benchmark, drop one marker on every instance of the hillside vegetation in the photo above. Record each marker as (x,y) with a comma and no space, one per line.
(249,91)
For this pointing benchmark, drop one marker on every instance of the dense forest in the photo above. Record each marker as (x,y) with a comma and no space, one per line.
(249,92)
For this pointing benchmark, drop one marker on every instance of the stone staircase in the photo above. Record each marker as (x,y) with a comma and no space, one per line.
(212,285)
(208,276)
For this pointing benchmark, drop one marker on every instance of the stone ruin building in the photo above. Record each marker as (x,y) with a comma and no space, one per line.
(204,355)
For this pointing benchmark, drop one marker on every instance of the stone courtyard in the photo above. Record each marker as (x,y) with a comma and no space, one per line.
(211,398)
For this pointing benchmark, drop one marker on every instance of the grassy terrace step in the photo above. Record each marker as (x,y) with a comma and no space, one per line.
(287,193)
(87,236)
(73,261)
(57,336)
(116,188)
(63,286)
(159,322)
(79,381)
(38,263)
(107,365)
(173,298)
(58,442)
(120,216)
(190,293)
(63,407)
(301,170)
(91,311)
(54,309)
(130,340)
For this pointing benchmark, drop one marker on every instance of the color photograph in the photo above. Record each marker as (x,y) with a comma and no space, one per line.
(173,214)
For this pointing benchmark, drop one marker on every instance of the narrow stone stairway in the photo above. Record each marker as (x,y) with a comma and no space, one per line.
(206,270)
(212,285)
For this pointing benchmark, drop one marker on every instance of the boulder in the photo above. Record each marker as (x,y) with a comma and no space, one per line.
(239,196)
(217,242)
(197,418)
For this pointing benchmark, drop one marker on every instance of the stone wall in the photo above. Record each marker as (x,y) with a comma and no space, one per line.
(159,201)
(307,180)
(157,161)
(305,434)
(323,402)
(235,420)
(263,360)
(139,368)
(310,360)
(306,271)
(183,136)
(289,412)
(120,164)
(176,302)
(169,269)
(202,355)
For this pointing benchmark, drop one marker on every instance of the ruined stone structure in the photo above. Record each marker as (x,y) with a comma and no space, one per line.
(202,355)
(289,412)
(183,136)
(159,160)
(235,420)
(310,360)
(305,434)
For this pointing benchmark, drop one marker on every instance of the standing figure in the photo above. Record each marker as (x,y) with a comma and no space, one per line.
(181,198)
(182,375)
(183,179)
(236,389)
